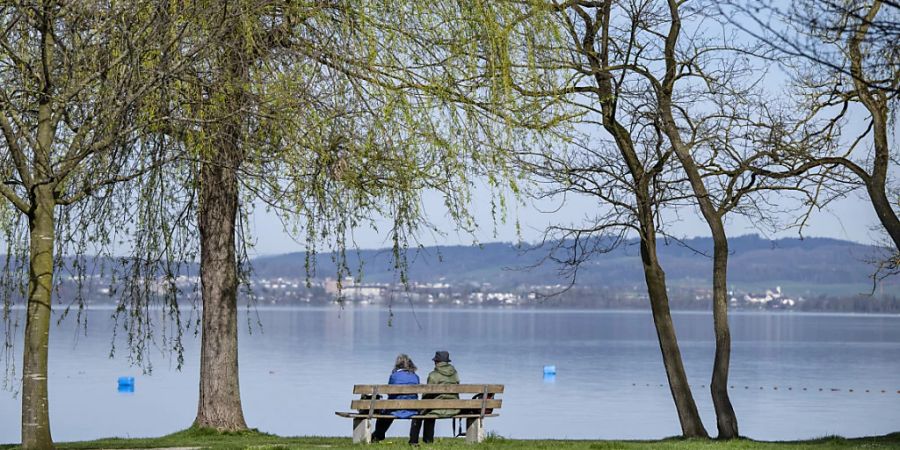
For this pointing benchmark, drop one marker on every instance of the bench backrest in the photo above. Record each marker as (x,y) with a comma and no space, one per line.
(370,404)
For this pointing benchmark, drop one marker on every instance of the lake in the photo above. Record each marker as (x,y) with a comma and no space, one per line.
(792,373)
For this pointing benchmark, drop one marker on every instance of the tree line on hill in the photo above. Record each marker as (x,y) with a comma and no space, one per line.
(819,262)
(156,125)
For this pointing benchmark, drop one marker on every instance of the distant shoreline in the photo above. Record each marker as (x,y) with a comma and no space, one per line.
(243,308)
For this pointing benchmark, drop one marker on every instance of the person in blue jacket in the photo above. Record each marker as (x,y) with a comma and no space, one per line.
(404,373)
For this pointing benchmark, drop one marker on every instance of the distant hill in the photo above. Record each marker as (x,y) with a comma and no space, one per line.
(807,266)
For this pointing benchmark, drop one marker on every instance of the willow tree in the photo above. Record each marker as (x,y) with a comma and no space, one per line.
(293,105)
(75,79)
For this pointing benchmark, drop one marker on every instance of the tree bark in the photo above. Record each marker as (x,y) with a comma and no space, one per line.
(220,397)
(876,185)
(220,400)
(726,420)
(688,416)
(35,403)
(876,102)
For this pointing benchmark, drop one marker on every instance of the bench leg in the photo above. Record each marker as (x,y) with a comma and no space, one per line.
(474,430)
(362,431)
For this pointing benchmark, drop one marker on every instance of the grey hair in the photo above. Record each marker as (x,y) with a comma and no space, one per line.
(404,362)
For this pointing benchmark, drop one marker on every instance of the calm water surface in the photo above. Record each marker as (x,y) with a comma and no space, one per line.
(301,365)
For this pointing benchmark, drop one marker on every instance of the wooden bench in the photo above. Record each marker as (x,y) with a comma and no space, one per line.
(472,410)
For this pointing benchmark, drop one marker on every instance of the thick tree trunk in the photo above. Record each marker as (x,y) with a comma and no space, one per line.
(726,420)
(35,404)
(688,416)
(220,398)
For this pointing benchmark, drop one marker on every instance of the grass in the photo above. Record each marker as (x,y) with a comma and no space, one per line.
(262,441)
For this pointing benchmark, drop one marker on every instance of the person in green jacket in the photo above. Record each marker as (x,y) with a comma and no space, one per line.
(443,373)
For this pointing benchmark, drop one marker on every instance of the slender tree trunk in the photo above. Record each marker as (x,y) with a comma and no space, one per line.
(877,104)
(655,277)
(35,403)
(726,420)
(688,416)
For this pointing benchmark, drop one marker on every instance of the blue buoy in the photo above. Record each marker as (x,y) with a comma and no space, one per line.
(126,384)
(549,370)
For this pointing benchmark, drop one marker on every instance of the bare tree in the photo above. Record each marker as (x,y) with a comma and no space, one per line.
(843,59)
(606,46)
(291,105)
(708,116)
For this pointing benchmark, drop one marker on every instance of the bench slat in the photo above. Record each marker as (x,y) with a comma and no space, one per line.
(428,388)
(365,405)
(352,415)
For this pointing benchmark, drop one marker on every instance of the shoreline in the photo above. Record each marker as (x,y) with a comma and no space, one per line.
(204,438)
(488,309)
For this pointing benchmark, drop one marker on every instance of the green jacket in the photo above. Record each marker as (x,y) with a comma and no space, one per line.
(443,373)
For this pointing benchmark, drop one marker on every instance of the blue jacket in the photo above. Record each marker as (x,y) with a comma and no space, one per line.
(403,377)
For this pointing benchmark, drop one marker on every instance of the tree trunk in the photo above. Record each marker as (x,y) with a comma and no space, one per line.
(688,416)
(35,404)
(877,103)
(876,184)
(220,399)
(726,420)
(885,212)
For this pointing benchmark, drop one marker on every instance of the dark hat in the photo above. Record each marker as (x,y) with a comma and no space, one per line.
(441,356)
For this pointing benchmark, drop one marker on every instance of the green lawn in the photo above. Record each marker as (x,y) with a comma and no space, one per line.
(255,440)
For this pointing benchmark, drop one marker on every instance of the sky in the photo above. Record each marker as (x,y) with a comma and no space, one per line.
(849,219)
